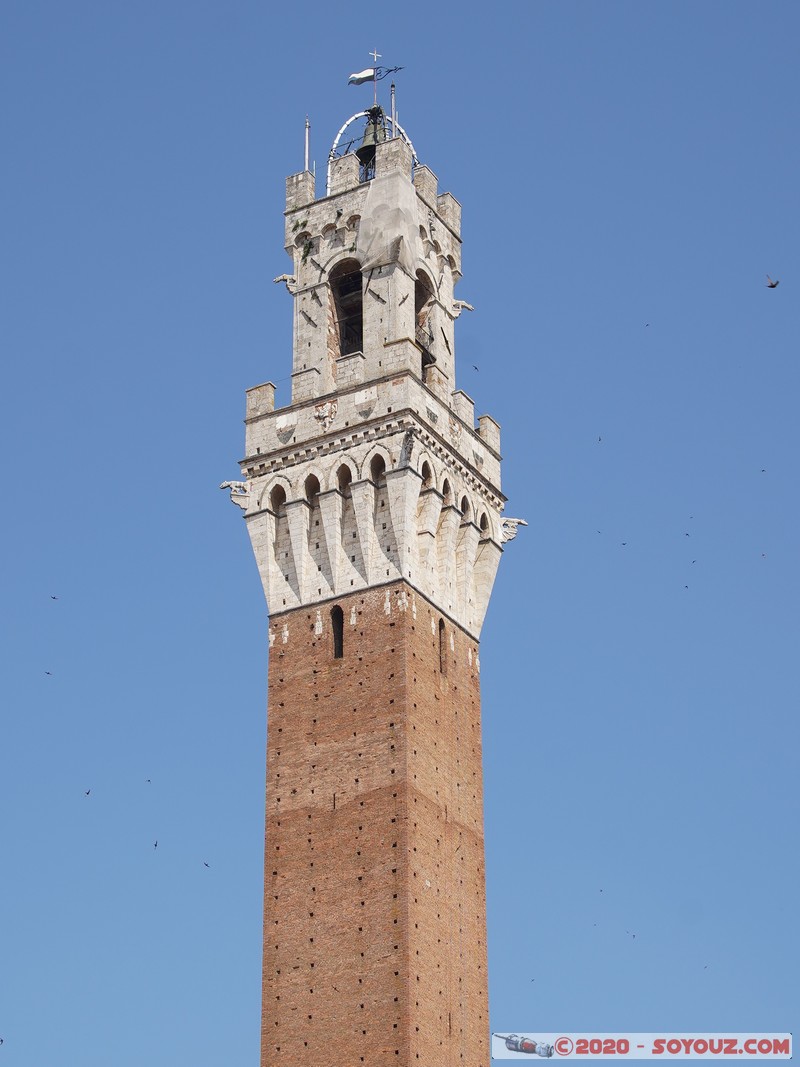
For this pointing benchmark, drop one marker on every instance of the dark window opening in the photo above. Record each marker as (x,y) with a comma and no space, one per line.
(344,478)
(442,648)
(277,500)
(377,470)
(423,304)
(337,622)
(312,490)
(348,325)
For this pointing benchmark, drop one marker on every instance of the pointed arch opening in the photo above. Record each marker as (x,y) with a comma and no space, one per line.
(344,479)
(312,489)
(377,470)
(442,648)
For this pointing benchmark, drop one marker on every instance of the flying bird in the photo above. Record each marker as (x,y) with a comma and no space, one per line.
(475,368)
(88,791)
(206,864)
(48,672)
(771,284)
(53,597)
(155,845)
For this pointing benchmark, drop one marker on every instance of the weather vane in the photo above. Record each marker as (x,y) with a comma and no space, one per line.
(372,74)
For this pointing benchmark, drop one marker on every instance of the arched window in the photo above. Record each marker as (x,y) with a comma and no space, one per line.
(312,490)
(344,478)
(377,470)
(427,477)
(423,303)
(337,623)
(277,500)
(442,648)
(347,325)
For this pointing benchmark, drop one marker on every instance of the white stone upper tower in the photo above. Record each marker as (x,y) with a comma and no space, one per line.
(376,471)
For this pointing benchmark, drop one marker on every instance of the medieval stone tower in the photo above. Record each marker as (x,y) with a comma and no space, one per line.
(373,504)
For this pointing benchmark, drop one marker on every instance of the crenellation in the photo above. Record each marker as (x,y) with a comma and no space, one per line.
(426,182)
(344,174)
(299,190)
(464,407)
(449,211)
(393,155)
(260,400)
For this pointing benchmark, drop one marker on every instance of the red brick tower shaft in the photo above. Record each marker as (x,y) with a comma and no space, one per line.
(375,916)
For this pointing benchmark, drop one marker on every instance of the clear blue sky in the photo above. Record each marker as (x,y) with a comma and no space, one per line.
(619,164)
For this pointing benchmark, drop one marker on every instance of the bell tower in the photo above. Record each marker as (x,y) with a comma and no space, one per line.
(373,505)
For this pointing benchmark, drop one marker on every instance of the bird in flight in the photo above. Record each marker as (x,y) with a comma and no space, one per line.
(53,597)
(49,672)
(206,864)
(771,284)
(475,368)
(88,791)
(155,845)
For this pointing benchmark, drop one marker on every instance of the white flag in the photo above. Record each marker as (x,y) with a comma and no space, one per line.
(362,76)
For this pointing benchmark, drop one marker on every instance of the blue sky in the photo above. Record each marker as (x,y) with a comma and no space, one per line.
(629,174)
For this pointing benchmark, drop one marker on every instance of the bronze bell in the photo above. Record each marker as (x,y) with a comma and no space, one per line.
(374,134)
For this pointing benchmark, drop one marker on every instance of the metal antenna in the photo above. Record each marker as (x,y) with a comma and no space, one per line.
(308,127)
(394,114)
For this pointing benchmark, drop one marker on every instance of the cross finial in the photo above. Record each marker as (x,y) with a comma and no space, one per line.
(376,55)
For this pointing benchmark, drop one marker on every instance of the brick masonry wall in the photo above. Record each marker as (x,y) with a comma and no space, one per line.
(374,909)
